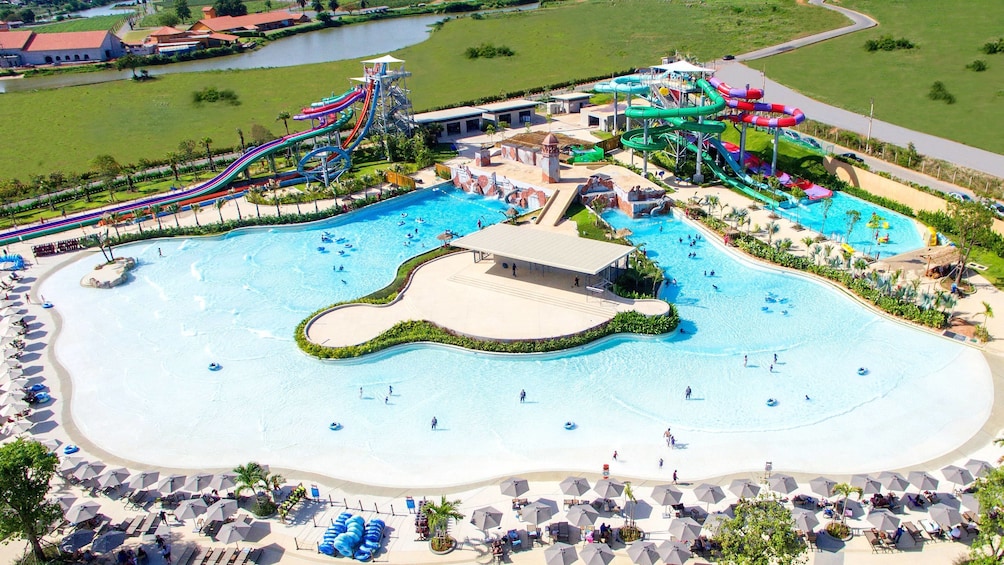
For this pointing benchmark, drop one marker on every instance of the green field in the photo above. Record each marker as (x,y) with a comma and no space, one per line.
(949,35)
(98,23)
(147,120)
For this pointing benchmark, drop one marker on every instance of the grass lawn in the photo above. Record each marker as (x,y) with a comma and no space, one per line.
(594,37)
(949,37)
(97,23)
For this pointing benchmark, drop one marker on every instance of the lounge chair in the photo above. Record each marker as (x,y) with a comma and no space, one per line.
(810,539)
(914,532)
(211,554)
(185,556)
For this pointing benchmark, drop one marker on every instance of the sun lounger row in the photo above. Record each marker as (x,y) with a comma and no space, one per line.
(224,556)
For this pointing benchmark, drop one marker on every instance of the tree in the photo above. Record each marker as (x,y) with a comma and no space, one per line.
(826,203)
(852,217)
(317,6)
(26,467)
(137,215)
(155,210)
(168,19)
(231,193)
(129,61)
(207,141)
(260,134)
(302,4)
(230,8)
(220,203)
(173,160)
(333,5)
(439,516)
(845,489)
(174,208)
(268,5)
(186,149)
(195,208)
(599,205)
(762,533)
(972,221)
(988,312)
(772,228)
(182,10)
(284,118)
(240,134)
(26,15)
(711,201)
(988,547)
(107,168)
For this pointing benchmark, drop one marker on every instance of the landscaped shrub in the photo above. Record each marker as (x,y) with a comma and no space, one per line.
(939,92)
(979,65)
(993,47)
(210,94)
(488,51)
(887,43)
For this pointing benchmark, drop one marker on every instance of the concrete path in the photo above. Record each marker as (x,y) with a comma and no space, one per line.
(859,22)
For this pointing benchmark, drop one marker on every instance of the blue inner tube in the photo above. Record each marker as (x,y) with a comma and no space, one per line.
(771,402)
(321,249)
(215,366)
(47,305)
(70,448)
(862,371)
(569,425)
(335,426)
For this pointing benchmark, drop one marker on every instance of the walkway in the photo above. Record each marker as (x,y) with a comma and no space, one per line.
(859,22)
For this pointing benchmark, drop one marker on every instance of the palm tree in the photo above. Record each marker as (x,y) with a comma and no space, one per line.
(220,203)
(851,217)
(772,228)
(827,251)
(155,211)
(827,202)
(275,200)
(860,264)
(629,495)
(113,218)
(173,160)
(439,516)
(240,133)
(255,197)
(808,241)
(284,118)
(174,208)
(249,477)
(137,215)
(231,193)
(846,489)
(712,202)
(988,312)
(195,208)
(209,154)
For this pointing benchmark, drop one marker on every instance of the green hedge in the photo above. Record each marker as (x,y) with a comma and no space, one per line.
(860,286)
(413,331)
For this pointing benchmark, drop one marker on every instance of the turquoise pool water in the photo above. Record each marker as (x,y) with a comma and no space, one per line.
(904,233)
(138,356)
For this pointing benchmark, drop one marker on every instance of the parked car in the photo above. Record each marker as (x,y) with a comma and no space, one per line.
(852,157)
(996,207)
(728,57)
(962,197)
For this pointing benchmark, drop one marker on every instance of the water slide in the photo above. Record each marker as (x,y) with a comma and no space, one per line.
(331,105)
(220,181)
(739,99)
(631,84)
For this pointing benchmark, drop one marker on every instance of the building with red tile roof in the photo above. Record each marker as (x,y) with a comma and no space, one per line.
(251,22)
(30,48)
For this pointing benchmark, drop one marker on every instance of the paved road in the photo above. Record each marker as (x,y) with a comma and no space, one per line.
(738,74)
(858,23)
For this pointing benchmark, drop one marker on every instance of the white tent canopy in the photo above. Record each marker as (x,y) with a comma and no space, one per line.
(683,67)
(384,59)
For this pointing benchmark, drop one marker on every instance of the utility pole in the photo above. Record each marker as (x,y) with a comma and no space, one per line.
(871,117)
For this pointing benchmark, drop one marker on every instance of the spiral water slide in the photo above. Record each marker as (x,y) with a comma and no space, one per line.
(328,124)
(739,99)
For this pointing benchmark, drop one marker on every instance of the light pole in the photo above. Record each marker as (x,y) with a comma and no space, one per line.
(871,117)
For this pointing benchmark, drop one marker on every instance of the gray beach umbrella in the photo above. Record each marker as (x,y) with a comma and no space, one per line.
(107,542)
(560,554)
(944,515)
(596,554)
(68,464)
(892,480)
(82,512)
(643,552)
(52,444)
(582,515)
(65,501)
(685,529)
(514,487)
(113,478)
(221,510)
(233,532)
(608,488)
(19,427)
(883,519)
(143,479)
(822,486)
(170,483)
(89,471)
(712,494)
(744,488)
(957,475)
(805,519)
(667,495)
(574,486)
(978,468)
(781,483)
(76,540)
(674,552)
(866,483)
(486,518)
(197,483)
(190,509)
(922,480)
(970,501)
(713,523)
(222,482)
(535,513)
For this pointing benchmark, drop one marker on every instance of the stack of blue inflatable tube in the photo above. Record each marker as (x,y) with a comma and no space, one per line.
(372,540)
(347,542)
(327,545)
